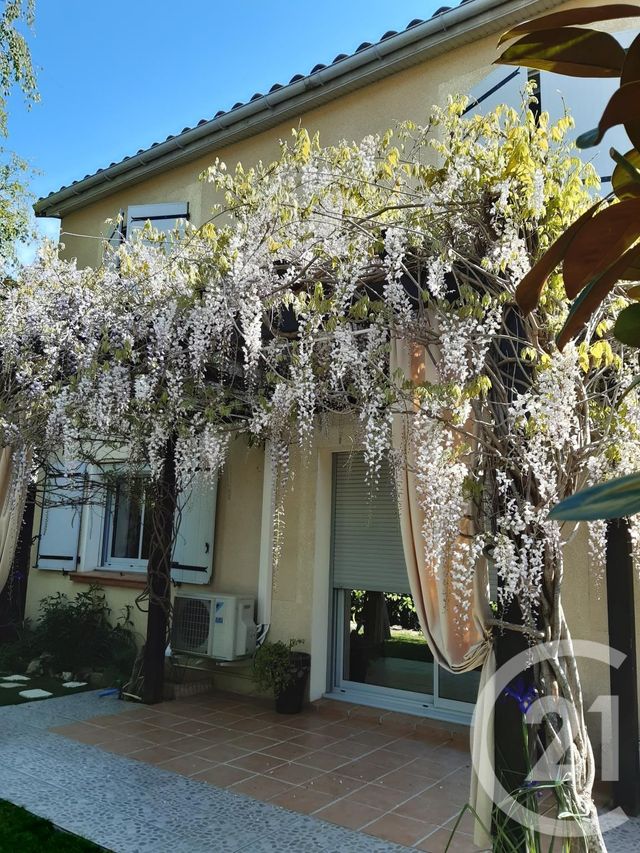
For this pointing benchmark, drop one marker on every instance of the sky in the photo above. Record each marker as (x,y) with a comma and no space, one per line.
(115,77)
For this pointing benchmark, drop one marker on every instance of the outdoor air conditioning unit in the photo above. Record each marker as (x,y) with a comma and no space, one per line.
(215,626)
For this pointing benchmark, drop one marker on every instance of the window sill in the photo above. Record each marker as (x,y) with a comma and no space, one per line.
(132,580)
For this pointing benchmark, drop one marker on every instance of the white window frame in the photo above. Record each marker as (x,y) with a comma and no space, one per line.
(118,563)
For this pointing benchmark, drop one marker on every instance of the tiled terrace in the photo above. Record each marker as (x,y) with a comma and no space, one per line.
(395,777)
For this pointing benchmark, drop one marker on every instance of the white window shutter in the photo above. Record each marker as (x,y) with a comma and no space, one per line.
(60,524)
(193,548)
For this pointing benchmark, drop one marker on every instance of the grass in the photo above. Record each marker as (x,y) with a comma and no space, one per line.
(10,695)
(22,832)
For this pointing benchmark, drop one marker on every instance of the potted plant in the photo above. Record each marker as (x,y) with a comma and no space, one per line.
(278,668)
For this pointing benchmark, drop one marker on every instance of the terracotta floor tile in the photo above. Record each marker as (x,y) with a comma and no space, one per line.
(312,740)
(222,775)
(430,806)
(221,718)
(353,815)
(339,731)
(374,739)
(414,749)
(364,770)
(194,727)
(379,796)
(333,783)
(216,734)
(280,733)
(389,758)
(261,787)
(163,736)
(348,749)
(302,800)
(155,754)
(405,781)
(401,830)
(124,745)
(295,774)
(135,727)
(248,724)
(84,733)
(256,762)
(186,765)
(251,742)
(286,751)
(438,841)
(166,720)
(190,743)
(221,752)
(323,760)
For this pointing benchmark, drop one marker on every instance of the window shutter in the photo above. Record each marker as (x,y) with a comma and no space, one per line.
(367,543)
(163,217)
(60,523)
(193,549)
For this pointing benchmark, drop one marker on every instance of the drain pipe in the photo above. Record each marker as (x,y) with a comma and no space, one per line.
(265,571)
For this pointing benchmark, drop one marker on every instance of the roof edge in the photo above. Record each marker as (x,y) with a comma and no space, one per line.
(450,29)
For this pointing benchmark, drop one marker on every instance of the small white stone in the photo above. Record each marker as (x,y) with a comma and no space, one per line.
(15,678)
(36,693)
(74,684)
(9,684)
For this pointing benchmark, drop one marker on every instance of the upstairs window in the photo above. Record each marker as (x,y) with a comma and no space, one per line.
(162,217)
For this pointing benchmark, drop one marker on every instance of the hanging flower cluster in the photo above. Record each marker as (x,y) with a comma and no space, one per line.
(287,307)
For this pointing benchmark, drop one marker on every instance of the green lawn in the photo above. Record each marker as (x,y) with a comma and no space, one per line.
(22,832)
(10,695)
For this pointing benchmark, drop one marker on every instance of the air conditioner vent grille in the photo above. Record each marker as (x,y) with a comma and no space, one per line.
(191,625)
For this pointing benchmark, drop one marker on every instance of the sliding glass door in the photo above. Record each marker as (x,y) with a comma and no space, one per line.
(380,654)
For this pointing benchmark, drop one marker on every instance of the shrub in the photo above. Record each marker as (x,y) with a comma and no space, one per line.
(77,635)
(276,664)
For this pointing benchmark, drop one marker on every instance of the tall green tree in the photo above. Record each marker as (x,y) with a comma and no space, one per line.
(16,72)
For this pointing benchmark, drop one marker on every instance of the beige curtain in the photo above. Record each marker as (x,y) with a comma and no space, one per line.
(11,511)
(459,638)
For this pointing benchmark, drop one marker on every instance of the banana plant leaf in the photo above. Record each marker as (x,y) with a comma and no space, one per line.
(529,290)
(627,327)
(575,51)
(625,179)
(593,294)
(599,243)
(615,499)
(572,17)
(623,108)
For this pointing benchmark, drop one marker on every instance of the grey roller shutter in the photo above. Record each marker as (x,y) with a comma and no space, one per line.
(367,544)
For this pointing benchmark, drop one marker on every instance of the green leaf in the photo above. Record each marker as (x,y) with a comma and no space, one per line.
(626,175)
(614,499)
(575,51)
(627,327)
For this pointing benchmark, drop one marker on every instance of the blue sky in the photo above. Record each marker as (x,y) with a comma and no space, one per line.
(115,77)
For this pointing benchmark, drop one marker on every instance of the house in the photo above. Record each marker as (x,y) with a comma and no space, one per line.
(331,547)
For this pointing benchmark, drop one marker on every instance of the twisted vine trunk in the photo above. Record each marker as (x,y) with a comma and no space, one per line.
(159,578)
(560,679)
